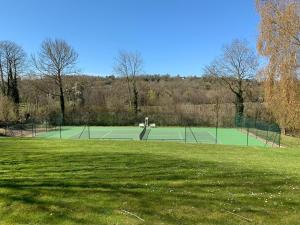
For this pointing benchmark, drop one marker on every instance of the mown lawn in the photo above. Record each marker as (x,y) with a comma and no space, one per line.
(93,182)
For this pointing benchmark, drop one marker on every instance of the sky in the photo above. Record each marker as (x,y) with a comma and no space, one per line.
(173,36)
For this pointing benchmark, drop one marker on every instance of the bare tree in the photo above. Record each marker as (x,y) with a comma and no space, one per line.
(56,59)
(236,66)
(12,61)
(130,65)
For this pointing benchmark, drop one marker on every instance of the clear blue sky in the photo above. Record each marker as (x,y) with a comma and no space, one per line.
(174,36)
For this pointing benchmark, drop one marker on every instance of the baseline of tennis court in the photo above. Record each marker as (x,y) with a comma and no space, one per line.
(226,136)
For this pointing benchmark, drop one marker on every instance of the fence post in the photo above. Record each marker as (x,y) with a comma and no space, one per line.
(217,109)
(34,129)
(267,135)
(88,124)
(32,133)
(185,134)
(248,136)
(60,130)
(255,127)
(217,124)
(217,134)
(22,128)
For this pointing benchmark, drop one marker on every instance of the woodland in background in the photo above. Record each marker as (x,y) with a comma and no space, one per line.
(165,99)
(89,98)
(227,90)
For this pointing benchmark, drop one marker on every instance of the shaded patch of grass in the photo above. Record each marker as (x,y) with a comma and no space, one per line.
(90,182)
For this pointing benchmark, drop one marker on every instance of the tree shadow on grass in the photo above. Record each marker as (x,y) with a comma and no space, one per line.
(82,188)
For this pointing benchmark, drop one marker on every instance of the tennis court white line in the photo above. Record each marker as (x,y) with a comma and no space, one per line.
(214,137)
(108,133)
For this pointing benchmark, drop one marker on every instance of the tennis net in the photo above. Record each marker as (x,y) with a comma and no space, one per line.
(145,133)
(142,134)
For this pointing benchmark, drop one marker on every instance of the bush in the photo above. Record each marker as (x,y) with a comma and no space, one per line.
(8,110)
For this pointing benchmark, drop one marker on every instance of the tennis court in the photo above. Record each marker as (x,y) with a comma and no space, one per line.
(227,136)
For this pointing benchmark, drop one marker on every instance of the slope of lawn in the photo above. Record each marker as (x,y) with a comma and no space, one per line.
(289,141)
(94,182)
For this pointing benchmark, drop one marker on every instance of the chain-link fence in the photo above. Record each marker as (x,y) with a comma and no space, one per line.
(266,131)
(184,127)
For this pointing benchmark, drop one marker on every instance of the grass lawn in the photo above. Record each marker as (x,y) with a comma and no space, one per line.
(289,141)
(125,182)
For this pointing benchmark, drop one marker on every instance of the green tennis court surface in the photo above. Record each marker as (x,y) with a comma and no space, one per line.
(227,136)
(73,132)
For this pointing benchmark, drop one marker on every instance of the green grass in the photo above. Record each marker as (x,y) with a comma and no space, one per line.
(91,182)
(289,141)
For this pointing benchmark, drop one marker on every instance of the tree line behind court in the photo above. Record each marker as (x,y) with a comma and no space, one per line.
(89,96)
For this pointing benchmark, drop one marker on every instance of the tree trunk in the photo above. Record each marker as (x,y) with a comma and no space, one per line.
(62,104)
(2,80)
(10,81)
(239,106)
(14,86)
(239,102)
(129,91)
(135,100)
(62,99)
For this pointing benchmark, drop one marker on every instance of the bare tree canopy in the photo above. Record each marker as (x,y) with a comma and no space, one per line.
(12,62)
(130,65)
(237,64)
(56,59)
